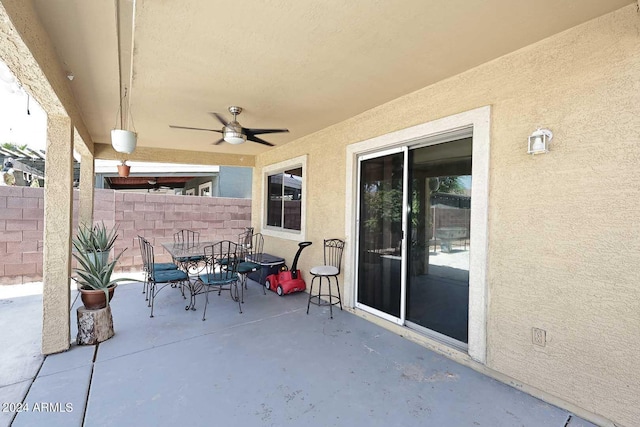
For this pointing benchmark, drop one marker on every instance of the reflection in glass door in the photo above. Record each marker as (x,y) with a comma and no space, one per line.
(438,253)
(380,233)
(423,193)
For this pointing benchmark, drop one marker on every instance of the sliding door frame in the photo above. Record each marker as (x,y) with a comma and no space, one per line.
(476,121)
(403,267)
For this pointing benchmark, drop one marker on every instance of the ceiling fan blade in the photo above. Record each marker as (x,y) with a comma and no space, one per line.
(251,131)
(190,128)
(220,141)
(258,140)
(219,117)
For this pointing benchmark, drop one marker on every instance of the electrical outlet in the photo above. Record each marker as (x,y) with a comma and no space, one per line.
(539,336)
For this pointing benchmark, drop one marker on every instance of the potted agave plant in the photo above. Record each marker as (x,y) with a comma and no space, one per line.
(93,245)
(96,241)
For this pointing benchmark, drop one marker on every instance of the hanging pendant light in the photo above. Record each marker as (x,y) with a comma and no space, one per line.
(123,140)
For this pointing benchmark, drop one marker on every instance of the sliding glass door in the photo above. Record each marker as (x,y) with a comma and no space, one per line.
(380,227)
(438,255)
(413,237)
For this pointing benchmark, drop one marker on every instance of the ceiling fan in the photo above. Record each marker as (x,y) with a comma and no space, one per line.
(233,133)
(154,185)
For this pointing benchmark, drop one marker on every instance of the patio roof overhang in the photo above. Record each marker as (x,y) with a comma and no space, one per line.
(295,66)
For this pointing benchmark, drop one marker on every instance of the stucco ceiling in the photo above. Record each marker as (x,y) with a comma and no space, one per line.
(294,64)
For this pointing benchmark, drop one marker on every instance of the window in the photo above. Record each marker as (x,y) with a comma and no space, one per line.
(284,208)
(205,189)
(284,198)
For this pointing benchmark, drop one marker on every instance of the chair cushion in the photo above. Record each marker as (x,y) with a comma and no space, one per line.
(162,266)
(248,267)
(224,261)
(189,258)
(324,270)
(218,279)
(169,276)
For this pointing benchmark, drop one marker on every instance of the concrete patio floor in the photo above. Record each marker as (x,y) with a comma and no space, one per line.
(273,365)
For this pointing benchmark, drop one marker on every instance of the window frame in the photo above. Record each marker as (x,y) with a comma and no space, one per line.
(274,169)
(205,186)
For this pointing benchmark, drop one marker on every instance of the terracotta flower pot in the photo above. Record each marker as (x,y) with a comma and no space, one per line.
(95,299)
(123,170)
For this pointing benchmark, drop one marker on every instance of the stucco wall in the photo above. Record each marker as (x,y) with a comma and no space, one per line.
(564,238)
(235,182)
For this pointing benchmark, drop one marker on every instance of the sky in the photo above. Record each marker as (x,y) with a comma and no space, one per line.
(16,126)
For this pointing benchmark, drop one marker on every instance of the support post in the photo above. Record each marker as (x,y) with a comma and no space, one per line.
(87,180)
(58,216)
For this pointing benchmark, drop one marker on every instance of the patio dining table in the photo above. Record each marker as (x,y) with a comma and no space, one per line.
(184,251)
(191,258)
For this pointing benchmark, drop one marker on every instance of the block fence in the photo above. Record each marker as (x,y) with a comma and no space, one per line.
(154,216)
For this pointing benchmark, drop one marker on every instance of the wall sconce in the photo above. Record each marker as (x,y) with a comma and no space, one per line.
(539,141)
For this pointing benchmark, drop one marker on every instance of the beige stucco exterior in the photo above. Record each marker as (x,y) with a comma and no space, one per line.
(87,183)
(564,239)
(58,217)
(106,152)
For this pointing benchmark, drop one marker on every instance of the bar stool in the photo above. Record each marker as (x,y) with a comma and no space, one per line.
(331,268)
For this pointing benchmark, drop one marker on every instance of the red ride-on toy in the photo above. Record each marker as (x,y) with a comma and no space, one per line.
(287,281)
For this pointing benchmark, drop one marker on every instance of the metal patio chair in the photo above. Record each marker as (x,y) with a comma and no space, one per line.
(220,273)
(244,242)
(189,239)
(252,261)
(159,279)
(159,266)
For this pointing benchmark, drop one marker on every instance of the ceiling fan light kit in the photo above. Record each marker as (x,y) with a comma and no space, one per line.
(232,131)
(234,138)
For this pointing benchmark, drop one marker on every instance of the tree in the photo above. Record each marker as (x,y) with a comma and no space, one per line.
(450,185)
(12,146)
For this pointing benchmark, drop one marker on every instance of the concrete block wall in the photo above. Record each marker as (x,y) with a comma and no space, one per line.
(21,231)
(156,217)
(451,218)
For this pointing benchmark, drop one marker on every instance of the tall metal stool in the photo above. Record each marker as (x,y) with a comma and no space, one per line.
(331,268)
